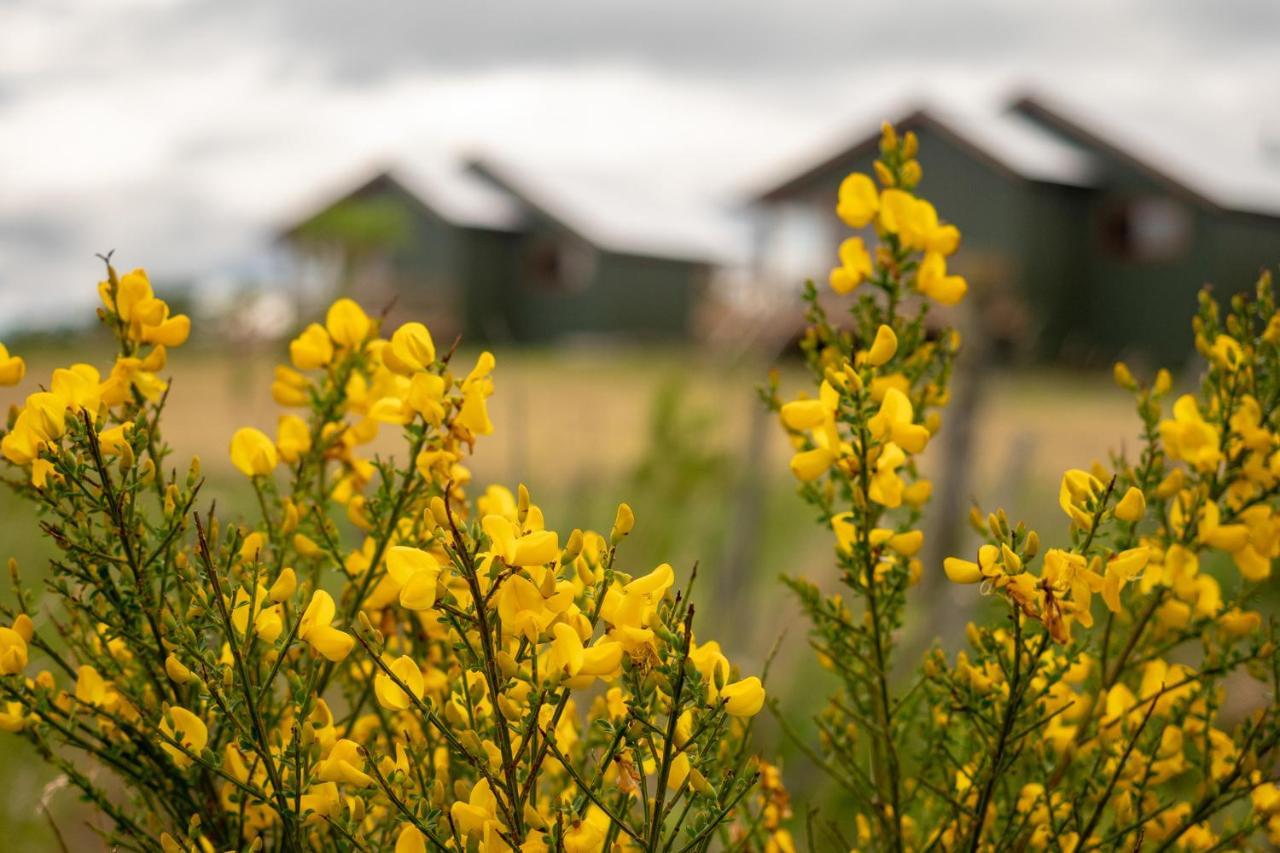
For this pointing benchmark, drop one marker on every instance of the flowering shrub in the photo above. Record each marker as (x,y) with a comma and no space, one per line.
(385,661)
(1053,729)
(378,661)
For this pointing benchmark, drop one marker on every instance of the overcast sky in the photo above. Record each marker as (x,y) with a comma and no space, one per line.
(179,132)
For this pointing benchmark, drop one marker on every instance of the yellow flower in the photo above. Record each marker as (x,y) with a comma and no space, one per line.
(623,523)
(961,571)
(113,441)
(410,349)
(855,265)
(13,652)
(568,658)
(347,323)
(588,835)
(534,548)
(1189,438)
(188,730)
(391,695)
(12,368)
(1132,506)
(344,764)
(933,281)
(1240,623)
(894,422)
(91,688)
(416,572)
(886,486)
(1121,569)
(293,438)
(176,670)
(883,347)
(289,388)
(410,840)
(479,813)
(743,698)
(252,452)
(858,202)
(317,628)
(13,719)
(1077,494)
(311,349)
(818,417)
(476,388)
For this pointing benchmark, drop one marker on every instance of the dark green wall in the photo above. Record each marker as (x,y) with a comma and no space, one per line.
(480,283)
(1039,267)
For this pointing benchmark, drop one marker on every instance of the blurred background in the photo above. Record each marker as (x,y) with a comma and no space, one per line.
(623,200)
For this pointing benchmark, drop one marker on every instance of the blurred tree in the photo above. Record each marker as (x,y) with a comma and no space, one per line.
(362,231)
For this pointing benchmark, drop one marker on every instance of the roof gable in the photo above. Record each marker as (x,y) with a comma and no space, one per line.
(616,219)
(1205,171)
(1008,143)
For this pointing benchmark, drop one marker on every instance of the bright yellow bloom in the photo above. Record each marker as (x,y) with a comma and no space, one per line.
(568,658)
(743,698)
(1188,437)
(1240,623)
(883,347)
(317,628)
(146,318)
(12,368)
(933,280)
(479,814)
(410,349)
(176,670)
(961,571)
(344,764)
(347,323)
(886,486)
(858,200)
(410,840)
(416,572)
(1077,494)
(894,422)
(1132,506)
(13,652)
(476,389)
(311,349)
(289,388)
(293,438)
(915,221)
(623,523)
(252,452)
(855,265)
(188,730)
(391,695)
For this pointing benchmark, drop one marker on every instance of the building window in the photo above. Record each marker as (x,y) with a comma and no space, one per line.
(1146,229)
(560,264)
(795,241)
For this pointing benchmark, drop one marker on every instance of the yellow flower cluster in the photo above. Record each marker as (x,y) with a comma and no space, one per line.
(1037,737)
(79,395)
(461,676)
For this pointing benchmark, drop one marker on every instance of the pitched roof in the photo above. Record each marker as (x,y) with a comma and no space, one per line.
(618,218)
(453,195)
(1005,140)
(461,197)
(1193,155)
(497,196)
(1047,138)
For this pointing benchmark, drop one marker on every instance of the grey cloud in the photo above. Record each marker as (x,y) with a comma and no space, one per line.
(363,42)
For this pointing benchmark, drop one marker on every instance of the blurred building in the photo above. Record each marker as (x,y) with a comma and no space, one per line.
(499,253)
(1081,238)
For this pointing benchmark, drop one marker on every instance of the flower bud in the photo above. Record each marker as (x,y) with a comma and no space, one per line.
(623,522)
